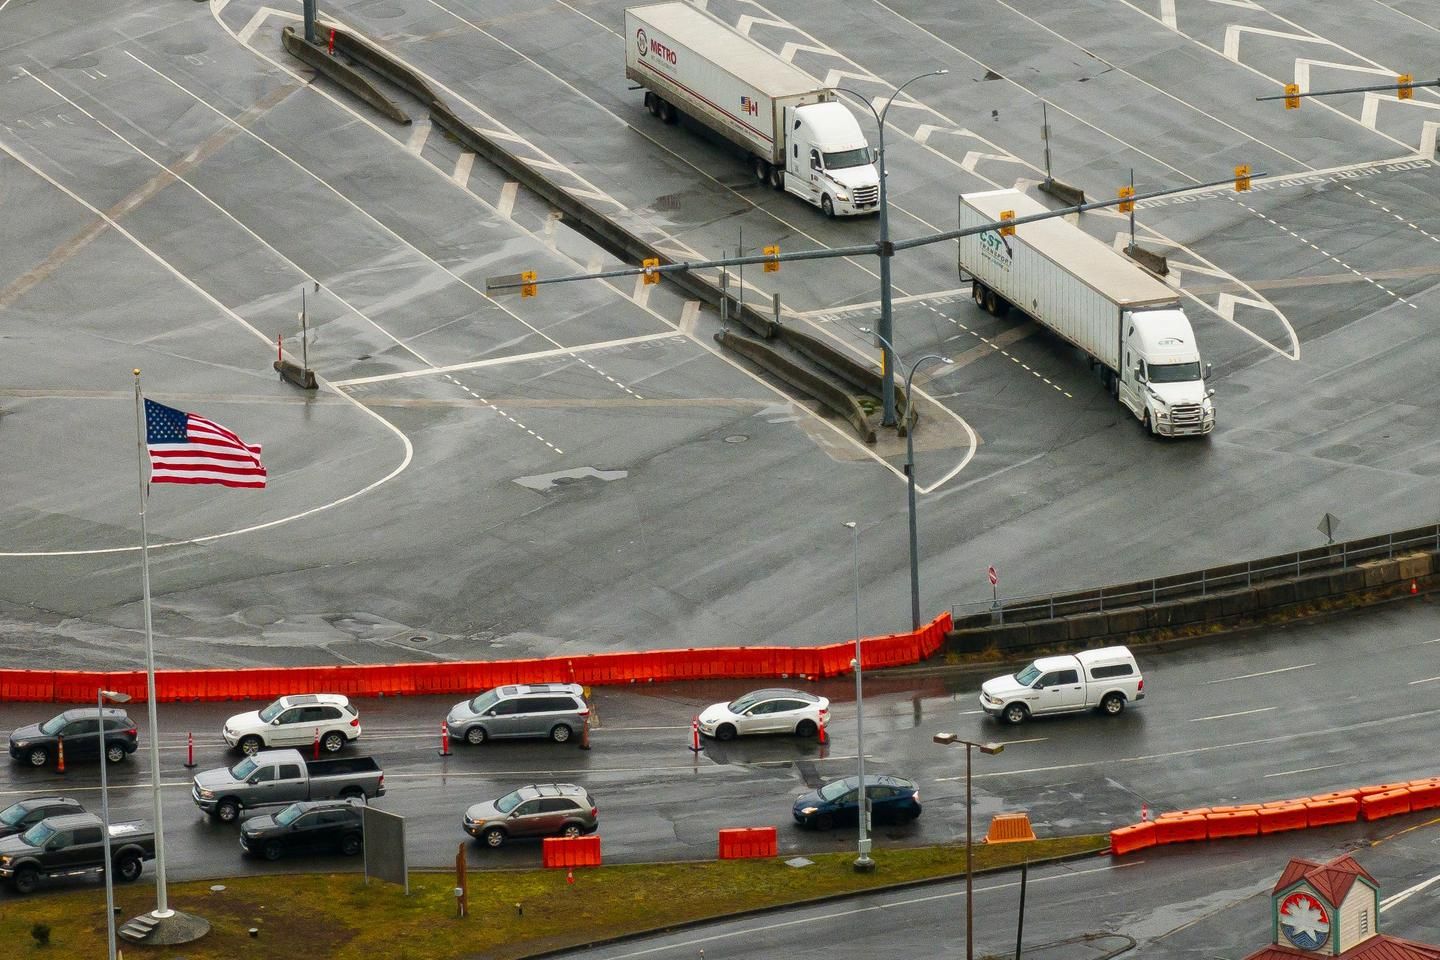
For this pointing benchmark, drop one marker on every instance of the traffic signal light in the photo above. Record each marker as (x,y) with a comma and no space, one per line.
(1004,230)
(1242,178)
(651,275)
(528,287)
(772,266)
(1292,96)
(1406,92)
(1126,204)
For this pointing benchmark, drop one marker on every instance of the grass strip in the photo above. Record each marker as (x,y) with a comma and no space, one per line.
(513,913)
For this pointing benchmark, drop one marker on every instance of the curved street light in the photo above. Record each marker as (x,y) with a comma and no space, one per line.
(887,389)
(951,739)
(100,697)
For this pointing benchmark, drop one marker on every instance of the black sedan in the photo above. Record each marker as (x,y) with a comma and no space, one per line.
(38,744)
(312,826)
(24,814)
(838,802)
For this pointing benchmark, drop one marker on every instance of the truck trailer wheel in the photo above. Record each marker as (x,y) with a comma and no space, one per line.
(977,290)
(668,114)
(652,103)
(762,170)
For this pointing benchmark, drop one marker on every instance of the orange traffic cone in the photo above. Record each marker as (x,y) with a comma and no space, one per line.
(570,877)
(821,738)
(695,735)
(585,734)
(1414,587)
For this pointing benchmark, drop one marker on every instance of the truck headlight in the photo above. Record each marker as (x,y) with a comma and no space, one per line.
(4,861)
(842,196)
(204,794)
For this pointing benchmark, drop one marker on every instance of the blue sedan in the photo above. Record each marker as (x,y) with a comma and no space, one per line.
(836,803)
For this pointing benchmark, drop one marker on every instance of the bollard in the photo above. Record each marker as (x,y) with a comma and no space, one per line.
(317,743)
(1144,813)
(60,754)
(585,734)
(190,751)
(444,739)
(821,738)
(695,735)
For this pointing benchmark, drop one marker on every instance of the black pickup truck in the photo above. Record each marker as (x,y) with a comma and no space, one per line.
(71,845)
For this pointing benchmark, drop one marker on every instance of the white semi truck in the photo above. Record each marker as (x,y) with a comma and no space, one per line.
(798,136)
(1127,322)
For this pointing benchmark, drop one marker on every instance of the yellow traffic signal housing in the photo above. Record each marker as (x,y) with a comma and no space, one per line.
(1126,204)
(1292,96)
(772,266)
(1406,92)
(651,275)
(1242,178)
(528,287)
(1004,230)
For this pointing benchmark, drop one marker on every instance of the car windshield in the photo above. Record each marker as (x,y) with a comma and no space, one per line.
(1028,676)
(836,790)
(484,702)
(38,834)
(847,158)
(1174,372)
(744,703)
(53,726)
(244,768)
(13,814)
(272,711)
(508,802)
(287,816)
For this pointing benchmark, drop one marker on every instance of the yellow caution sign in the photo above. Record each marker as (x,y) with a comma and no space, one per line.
(772,266)
(1126,204)
(1242,178)
(1004,230)
(651,274)
(1292,96)
(528,287)
(1406,92)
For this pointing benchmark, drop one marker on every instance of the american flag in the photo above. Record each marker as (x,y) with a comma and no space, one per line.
(186,448)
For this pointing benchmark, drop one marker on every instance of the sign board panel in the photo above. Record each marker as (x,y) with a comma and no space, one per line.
(385,847)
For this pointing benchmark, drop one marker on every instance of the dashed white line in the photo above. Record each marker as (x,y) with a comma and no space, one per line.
(1262,673)
(1227,716)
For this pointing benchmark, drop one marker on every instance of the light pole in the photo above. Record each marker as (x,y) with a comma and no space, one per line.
(989,748)
(910,472)
(100,697)
(863,863)
(887,388)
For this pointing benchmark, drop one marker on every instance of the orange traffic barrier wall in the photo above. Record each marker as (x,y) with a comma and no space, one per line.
(1424,794)
(1232,823)
(1388,803)
(1137,836)
(1197,812)
(1323,811)
(1181,829)
(1284,816)
(571,851)
(740,843)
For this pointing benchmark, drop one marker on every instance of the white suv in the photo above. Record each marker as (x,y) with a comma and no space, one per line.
(296,722)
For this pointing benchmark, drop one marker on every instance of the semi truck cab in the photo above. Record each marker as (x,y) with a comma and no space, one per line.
(828,162)
(1162,378)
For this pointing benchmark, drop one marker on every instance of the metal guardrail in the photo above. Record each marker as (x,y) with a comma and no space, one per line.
(1282,567)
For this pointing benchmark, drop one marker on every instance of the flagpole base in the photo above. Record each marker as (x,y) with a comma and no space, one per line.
(164,928)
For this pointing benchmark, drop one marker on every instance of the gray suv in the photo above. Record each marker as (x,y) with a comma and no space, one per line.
(539,810)
(554,710)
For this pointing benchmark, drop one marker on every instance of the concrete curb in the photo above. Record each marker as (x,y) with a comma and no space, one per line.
(341,73)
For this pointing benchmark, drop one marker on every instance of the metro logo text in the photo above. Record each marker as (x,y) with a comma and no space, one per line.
(649,46)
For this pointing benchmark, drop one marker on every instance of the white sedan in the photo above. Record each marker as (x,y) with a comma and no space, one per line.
(767,711)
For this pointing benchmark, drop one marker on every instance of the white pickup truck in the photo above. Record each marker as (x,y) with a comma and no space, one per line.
(1106,680)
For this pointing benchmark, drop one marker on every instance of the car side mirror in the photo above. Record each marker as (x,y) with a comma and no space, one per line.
(254,779)
(1139,373)
(874,155)
(275,722)
(1038,685)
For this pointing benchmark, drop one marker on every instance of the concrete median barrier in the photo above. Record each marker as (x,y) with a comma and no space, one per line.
(338,71)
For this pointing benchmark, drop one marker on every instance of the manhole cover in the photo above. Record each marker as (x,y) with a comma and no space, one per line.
(736,438)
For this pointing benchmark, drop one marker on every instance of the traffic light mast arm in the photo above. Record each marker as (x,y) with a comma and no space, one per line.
(1330,93)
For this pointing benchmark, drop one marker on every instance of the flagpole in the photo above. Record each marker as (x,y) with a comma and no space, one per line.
(162,906)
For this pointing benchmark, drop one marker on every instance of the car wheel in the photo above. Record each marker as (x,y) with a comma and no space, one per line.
(128,867)
(333,741)
(777,178)
(272,850)
(570,830)
(824,822)
(352,793)
(1016,713)
(227,811)
(475,736)
(1113,704)
(26,879)
(560,733)
(805,728)
(725,732)
(38,756)
(493,837)
(827,206)
(114,753)
(351,844)
(251,745)
(912,811)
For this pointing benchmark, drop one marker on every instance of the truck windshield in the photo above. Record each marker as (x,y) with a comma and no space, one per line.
(287,816)
(38,834)
(1174,372)
(244,768)
(1028,676)
(484,702)
(841,159)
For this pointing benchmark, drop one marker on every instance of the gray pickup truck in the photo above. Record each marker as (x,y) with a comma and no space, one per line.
(72,845)
(273,777)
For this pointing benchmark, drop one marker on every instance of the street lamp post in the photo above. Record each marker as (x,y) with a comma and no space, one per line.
(987,748)
(100,697)
(863,863)
(910,472)
(887,389)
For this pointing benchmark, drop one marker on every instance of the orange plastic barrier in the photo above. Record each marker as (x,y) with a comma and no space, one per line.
(1381,788)
(741,843)
(1180,829)
(1232,823)
(1335,795)
(1232,809)
(571,851)
(1326,810)
(1172,814)
(1424,794)
(1010,828)
(1137,836)
(1387,804)
(1284,815)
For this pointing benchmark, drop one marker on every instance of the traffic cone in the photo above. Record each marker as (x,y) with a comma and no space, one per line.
(820,736)
(190,751)
(695,735)
(1414,587)
(444,739)
(60,754)
(585,734)
(570,877)
(317,743)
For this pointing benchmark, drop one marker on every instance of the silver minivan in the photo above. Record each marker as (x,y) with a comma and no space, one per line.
(554,710)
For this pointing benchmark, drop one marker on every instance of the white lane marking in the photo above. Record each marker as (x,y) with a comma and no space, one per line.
(690,317)
(463,165)
(1262,673)
(689,944)
(1426,680)
(1227,716)
(1286,773)
(174,271)
(1407,893)
(1423,642)
(257,18)
(506,206)
(419,133)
